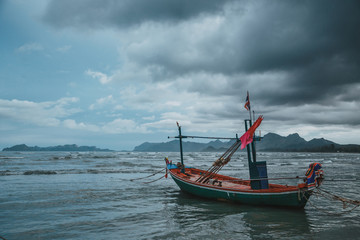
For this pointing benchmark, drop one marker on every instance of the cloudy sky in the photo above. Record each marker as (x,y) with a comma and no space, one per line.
(115,74)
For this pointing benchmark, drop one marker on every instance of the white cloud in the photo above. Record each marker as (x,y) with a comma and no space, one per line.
(108,99)
(41,114)
(156,96)
(116,126)
(102,77)
(102,102)
(168,121)
(52,114)
(183,47)
(173,103)
(72,124)
(150,118)
(30,47)
(119,126)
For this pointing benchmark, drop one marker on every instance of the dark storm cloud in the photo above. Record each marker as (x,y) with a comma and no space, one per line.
(308,50)
(317,43)
(289,34)
(124,13)
(329,64)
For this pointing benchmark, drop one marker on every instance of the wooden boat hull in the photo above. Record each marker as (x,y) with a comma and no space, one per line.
(276,195)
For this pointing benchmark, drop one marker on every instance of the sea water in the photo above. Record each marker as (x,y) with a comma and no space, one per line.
(89,195)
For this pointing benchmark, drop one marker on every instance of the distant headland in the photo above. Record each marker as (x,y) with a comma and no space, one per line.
(67,147)
(271,142)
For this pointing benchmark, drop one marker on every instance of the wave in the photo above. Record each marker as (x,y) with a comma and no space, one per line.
(5,173)
(75,171)
(84,156)
(40,172)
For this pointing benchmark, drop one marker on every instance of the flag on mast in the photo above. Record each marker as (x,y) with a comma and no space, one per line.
(247,103)
(248,136)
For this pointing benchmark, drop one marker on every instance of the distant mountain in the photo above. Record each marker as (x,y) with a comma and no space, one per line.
(293,142)
(271,142)
(275,142)
(68,147)
(173,146)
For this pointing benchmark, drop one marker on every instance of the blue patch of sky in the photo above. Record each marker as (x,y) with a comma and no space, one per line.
(51,64)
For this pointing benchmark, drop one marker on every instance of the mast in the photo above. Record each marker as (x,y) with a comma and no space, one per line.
(180,136)
(257,170)
(248,106)
(248,146)
(181,149)
(253,144)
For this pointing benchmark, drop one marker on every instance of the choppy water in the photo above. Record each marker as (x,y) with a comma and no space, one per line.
(61,195)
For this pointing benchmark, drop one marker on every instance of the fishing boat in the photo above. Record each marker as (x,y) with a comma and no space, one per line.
(254,191)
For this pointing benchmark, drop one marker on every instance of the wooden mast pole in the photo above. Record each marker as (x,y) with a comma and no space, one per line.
(248,147)
(181,149)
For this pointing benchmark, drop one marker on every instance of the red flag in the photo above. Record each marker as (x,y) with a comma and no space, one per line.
(247,103)
(248,136)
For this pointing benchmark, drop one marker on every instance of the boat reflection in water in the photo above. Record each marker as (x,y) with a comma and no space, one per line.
(229,221)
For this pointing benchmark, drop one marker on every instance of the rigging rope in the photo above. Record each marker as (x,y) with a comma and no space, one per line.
(163,169)
(342,179)
(342,199)
(155,180)
(219,163)
(346,202)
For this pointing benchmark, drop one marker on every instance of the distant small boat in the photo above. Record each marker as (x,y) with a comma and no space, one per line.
(255,191)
